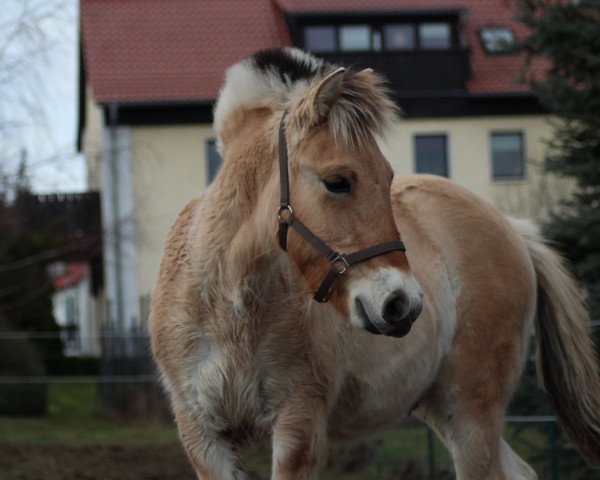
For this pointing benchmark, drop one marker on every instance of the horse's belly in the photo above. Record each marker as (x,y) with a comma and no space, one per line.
(385,378)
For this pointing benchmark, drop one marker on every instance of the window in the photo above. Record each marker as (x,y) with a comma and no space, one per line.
(355,38)
(320,38)
(508,156)
(214,160)
(399,37)
(431,155)
(497,40)
(434,36)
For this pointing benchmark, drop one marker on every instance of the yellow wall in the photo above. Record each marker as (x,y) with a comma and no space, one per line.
(469,157)
(169,168)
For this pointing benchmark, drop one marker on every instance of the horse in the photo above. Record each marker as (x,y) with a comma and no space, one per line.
(262,328)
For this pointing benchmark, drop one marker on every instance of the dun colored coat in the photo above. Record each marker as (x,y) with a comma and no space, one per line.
(244,349)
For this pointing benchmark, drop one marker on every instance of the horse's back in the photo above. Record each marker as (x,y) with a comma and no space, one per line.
(465,230)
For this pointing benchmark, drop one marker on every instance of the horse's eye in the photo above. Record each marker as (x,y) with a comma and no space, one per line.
(338,184)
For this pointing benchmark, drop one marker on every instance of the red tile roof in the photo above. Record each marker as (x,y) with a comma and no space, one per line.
(74,273)
(149,50)
(170,50)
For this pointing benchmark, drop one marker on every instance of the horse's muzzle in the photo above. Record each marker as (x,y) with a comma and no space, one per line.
(396,319)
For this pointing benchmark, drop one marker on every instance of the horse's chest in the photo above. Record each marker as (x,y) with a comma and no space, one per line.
(383,381)
(226,388)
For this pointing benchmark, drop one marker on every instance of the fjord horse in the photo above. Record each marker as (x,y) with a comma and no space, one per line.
(245,350)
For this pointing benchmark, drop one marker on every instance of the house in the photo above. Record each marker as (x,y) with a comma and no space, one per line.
(152,70)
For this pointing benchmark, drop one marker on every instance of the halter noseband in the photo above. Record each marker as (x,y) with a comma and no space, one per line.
(340,262)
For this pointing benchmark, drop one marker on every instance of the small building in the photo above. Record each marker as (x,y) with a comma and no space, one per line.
(73,308)
(152,70)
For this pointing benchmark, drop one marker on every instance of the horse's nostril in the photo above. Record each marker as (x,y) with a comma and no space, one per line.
(395,308)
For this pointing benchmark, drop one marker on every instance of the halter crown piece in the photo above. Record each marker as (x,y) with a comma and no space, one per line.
(340,262)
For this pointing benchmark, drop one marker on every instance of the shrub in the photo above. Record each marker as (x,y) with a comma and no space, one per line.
(18,358)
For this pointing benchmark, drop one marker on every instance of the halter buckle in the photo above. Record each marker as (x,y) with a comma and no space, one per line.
(340,258)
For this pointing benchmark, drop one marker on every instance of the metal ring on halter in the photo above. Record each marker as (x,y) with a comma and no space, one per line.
(281,209)
(340,257)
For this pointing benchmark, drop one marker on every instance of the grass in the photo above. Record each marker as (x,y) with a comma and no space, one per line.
(92,447)
(71,421)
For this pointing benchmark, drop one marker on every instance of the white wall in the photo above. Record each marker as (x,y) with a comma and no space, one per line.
(92,137)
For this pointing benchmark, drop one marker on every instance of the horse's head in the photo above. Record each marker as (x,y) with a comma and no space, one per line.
(339,189)
(339,184)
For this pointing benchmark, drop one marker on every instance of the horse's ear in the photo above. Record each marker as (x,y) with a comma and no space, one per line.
(327,92)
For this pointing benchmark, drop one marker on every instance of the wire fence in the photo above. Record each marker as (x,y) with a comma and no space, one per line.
(43,379)
(126,370)
(132,344)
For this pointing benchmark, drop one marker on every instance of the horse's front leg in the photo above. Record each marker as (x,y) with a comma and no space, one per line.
(211,455)
(300,439)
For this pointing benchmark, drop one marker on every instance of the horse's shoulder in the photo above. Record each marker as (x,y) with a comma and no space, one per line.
(461,224)
(176,252)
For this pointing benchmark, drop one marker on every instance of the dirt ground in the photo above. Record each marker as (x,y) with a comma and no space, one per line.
(167,462)
(107,462)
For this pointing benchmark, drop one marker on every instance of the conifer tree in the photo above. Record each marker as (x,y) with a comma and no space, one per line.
(566,34)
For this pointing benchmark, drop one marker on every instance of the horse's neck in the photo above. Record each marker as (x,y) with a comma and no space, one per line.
(241,265)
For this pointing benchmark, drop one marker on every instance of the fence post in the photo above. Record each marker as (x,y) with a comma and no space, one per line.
(553,451)
(430,456)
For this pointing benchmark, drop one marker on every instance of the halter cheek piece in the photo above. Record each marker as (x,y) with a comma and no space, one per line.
(340,262)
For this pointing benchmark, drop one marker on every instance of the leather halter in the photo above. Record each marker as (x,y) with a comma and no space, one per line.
(340,262)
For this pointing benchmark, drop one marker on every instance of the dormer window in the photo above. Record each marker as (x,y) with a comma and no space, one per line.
(342,38)
(375,37)
(417,50)
(497,40)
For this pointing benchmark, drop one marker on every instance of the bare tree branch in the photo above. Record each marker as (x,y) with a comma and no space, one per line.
(32,34)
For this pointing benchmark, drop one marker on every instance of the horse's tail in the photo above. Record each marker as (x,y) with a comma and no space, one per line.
(566,361)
